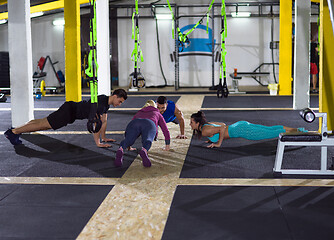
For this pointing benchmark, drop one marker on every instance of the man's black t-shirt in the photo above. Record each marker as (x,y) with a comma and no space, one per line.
(83,107)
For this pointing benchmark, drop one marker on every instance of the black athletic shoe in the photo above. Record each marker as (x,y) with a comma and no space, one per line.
(12,137)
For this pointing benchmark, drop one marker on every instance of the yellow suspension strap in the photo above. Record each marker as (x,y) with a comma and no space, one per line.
(222,90)
(94,120)
(183,39)
(137,52)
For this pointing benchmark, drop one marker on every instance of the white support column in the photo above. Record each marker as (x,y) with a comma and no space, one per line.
(301,86)
(20,57)
(102,46)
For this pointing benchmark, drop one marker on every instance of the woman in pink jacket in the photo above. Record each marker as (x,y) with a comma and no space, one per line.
(144,123)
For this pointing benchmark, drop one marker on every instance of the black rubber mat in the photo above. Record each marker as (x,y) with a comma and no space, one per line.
(47,211)
(62,156)
(254,102)
(222,212)
(241,158)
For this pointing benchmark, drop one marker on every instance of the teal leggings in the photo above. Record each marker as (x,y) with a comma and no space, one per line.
(250,131)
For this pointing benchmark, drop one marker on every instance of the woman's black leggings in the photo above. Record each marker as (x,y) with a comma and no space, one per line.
(144,127)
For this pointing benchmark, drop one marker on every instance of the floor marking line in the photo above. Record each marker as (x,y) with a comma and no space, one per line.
(255,182)
(67,132)
(252,109)
(59,180)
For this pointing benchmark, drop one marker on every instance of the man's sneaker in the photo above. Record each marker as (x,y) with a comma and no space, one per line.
(12,137)
(119,158)
(144,157)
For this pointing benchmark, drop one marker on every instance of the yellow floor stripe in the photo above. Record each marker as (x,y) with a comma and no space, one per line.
(256,182)
(207,109)
(68,132)
(58,180)
(181,181)
(252,109)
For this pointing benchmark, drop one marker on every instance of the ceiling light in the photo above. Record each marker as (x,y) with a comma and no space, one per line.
(58,22)
(164,16)
(240,14)
(3,21)
(36,14)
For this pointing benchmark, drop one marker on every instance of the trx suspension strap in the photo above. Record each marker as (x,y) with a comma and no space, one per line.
(222,90)
(183,39)
(137,52)
(94,122)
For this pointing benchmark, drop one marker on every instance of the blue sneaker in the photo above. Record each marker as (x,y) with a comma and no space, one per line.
(302,130)
(12,137)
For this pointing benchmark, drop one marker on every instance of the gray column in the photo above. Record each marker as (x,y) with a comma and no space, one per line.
(301,86)
(102,46)
(20,57)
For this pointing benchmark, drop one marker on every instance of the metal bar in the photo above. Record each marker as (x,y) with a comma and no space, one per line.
(176,38)
(323,165)
(243,4)
(307,172)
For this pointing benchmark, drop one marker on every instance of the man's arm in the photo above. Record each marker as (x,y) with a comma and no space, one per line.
(103,130)
(99,133)
(180,118)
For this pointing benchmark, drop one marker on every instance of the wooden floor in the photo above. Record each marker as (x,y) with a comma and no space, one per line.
(138,205)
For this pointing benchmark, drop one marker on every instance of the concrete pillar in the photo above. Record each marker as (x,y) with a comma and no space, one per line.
(20,57)
(102,45)
(72,50)
(301,84)
(285,47)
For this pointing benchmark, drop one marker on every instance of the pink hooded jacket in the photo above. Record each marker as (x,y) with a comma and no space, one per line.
(153,114)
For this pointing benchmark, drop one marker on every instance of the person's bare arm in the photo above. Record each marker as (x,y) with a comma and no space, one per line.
(180,118)
(214,130)
(103,130)
(99,133)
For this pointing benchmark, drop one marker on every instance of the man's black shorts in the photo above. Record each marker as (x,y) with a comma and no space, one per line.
(63,116)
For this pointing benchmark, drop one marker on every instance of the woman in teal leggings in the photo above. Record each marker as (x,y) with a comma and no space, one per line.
(217,132)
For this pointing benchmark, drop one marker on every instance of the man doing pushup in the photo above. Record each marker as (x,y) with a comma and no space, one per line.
(171,113)
(68,113)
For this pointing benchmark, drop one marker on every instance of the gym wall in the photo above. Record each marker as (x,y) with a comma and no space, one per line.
(247,45)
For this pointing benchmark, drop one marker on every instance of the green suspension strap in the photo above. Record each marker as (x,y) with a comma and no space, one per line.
(222,90)
(94,121)
(137,52)
(183,38)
